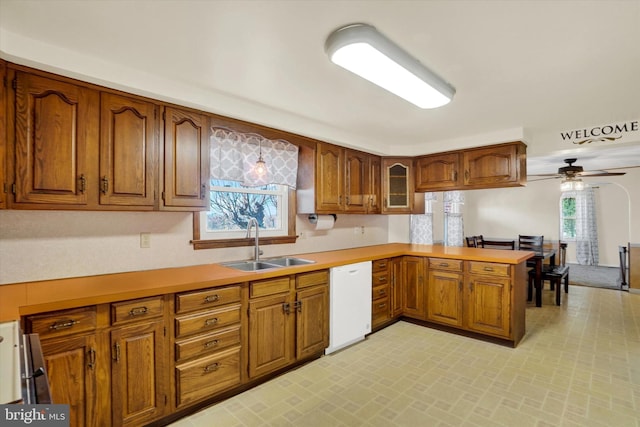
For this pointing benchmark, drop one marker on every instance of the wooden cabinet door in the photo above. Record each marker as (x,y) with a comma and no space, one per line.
(488,304)
(329,178)
(397,186)
(414,298)
(138,373)
(56,127)
(437,172)
(495,165)
(186,160)
(271,339)
(444,297)
(397,286)
(312,320)
(3,134)
(78,376)
(128,165)
(356,174)
(374,184)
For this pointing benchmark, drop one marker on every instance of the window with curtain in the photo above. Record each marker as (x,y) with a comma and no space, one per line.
(237,193)
(579,212)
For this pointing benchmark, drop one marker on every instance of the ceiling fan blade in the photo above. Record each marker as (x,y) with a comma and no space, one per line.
(599,173)
(553,175)
(541,178)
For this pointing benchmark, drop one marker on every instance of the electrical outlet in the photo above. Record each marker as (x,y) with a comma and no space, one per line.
(145,240)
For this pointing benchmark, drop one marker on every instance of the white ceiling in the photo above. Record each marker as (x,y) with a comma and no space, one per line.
(527,67)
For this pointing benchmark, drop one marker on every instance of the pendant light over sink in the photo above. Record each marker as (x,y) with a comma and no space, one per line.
(364,51)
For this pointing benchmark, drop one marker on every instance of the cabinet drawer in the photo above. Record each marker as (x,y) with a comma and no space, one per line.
(270,287)
(134,310)
(380,311)
(379,265)
(445,264)
(207,320)
(61,323)
(204,377)
(213,297)
(491,268)
(380,278)
(313,278)
(380,291)
(207,344)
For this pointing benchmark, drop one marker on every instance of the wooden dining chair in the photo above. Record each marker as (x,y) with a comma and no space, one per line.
(530,243)
(555,274)
(471,241)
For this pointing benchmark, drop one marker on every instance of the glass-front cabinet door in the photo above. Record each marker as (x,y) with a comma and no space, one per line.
(397,185)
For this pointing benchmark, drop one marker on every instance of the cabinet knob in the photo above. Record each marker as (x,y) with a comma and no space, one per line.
(211,298)
(138,311)
(211,368)
(104,185)
(211,322)
(63,324)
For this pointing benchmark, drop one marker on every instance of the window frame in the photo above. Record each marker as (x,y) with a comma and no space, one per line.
(564,196)
(290,237)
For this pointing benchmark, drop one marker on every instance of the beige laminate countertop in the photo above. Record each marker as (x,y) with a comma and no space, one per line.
(48,295)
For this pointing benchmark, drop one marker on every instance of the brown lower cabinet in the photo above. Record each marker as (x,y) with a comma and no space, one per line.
(138,373)
(288,320)
(148,360)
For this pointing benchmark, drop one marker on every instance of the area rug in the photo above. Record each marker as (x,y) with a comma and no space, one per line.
(594,276)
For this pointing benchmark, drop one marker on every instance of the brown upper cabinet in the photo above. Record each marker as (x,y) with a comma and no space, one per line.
(78,146)
(128,151)
(334,179)
(494,166)
(186,160)
(397,185)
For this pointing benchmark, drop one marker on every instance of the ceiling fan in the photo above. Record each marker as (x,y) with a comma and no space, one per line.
(573,173)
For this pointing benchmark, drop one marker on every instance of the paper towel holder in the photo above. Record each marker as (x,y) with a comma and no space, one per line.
(313,218)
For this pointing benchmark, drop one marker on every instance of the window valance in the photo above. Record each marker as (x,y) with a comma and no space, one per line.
(234,155)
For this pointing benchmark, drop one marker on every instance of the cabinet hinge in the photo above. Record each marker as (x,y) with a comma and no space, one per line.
(14,83)
(166,400)
(248,312)
(13,188)
(164,115)
(164,331)
(163,196)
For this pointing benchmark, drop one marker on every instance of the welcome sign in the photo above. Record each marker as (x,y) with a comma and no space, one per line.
(608,133)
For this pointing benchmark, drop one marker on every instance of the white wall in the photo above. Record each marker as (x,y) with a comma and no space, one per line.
(534,209)
(41,245)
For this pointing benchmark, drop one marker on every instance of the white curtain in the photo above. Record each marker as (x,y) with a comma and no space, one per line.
(453,223)
(421,226)
(234,155)
(586,227)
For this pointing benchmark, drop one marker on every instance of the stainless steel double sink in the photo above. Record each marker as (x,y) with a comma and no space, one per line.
(267,263)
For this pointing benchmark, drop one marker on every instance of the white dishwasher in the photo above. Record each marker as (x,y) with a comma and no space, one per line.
(349,305)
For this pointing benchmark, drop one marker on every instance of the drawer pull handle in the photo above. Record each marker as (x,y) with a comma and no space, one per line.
(382,279)
(212,368)
(444,264)
(383,305)
(382,265)
(212,298)
(63,324)
(488,269)
(92,358)
(138,311)
(211,322)
(210,344)
(382,292)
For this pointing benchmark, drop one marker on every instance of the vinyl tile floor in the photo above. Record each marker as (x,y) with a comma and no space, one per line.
(578,365)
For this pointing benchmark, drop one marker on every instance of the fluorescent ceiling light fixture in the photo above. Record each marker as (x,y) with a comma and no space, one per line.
(361,49)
